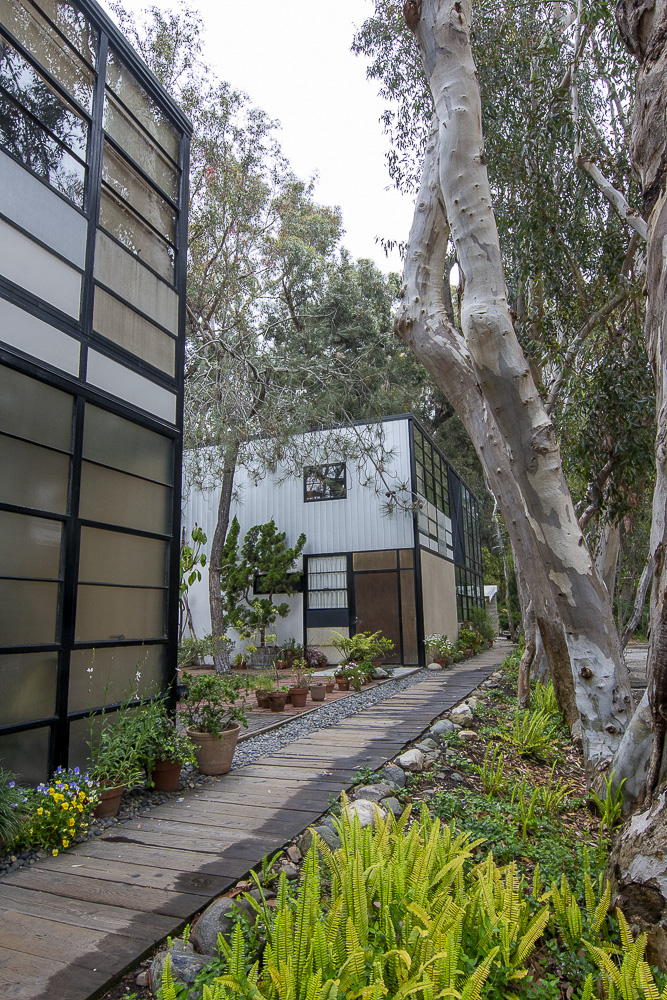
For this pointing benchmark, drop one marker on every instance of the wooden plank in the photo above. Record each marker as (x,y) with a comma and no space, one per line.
(92,888)
(168,858)
(77,913)
(206,841)
(33,978)
(253,819)
(305,801)
(222,837)
(199,883)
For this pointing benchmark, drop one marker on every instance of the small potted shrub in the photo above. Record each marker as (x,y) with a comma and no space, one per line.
(214,711)
(263,686)
(362,646)
(441,649)
(164,750)
(116,757)
(299,690)
(349,675)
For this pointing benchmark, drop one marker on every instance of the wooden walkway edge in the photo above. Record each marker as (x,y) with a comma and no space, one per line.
(71,925)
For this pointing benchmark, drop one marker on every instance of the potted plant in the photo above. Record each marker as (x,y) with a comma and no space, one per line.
(362,646)
(299,690)
(350,674)
(318,689)
(291,650)
(164,750)
(214,711)
(442,650)
(115,758)
(263,686)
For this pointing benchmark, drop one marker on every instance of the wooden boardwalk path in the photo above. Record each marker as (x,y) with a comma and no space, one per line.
(70,925)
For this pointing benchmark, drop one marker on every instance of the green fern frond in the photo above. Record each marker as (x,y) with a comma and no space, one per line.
(529,939)
(168,988)
(473,988)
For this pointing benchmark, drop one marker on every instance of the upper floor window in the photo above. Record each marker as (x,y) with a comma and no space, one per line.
(325,482)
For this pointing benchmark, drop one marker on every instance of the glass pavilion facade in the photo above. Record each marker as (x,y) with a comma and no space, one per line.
(93,229)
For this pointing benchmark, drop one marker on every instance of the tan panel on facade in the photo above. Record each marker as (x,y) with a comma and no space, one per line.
(409,617)
(407,558)
(319,637)
(439,595)
(383,559)
(377,608)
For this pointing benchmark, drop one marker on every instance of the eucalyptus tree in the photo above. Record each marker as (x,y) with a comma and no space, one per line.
(570,272)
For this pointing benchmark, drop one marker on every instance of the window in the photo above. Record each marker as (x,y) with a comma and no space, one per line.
(325,482)
(327,582)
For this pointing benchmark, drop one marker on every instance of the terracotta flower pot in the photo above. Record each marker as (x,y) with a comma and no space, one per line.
(343,683)
(299,696)
(441,661)
(262,699)
(215,753)
(110,796)
(317,692)
(165,775)
(329,686)
(277,700)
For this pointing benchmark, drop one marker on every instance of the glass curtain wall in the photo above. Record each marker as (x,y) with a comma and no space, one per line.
(93,192)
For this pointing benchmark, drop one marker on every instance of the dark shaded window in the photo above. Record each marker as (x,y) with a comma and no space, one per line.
(325,482)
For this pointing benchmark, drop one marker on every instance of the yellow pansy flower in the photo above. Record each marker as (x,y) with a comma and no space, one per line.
(54,852)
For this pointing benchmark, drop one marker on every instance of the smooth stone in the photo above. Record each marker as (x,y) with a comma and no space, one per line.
(374,793)
(395,774)
(219,918)
(427,744)
(468,735)
(185,967)
(442,726)
(458,778)
(411,760)
(291,872)
(393,804)
(380,674)
(434,667)
(294,854)
(461,713)
(325,833)
(365,810)
(474,702)
(143,979)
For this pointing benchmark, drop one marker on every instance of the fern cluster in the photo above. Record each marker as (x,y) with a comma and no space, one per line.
(406,911)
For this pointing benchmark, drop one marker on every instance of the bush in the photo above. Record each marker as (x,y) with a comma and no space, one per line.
(54,814)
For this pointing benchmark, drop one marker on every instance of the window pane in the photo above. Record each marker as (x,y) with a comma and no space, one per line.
(120,613)
(26,754)
(29,143)
(73,25)
(134,97)
(133,233)
(132,188)
(112,557)
(117,442)
(113,674)
(33,476)
(140,147)
(49,49)
(117,322)
(35,411)
(325,482)
(28,612)
(116,498)
(122,273)
(28,687)
(30,546)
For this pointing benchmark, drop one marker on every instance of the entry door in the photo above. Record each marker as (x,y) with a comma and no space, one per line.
(377,608)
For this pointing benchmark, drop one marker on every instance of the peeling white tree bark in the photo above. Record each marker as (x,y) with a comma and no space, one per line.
(487,379)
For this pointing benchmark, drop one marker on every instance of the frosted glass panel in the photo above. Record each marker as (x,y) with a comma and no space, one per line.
(35,411)
(28,612)
(32,206)
(116,498)
(35,269)
(115,321)
(119,381)
(33,476)
(29,546)
(115,441)
(136,235)
(49,50)
(134,97)
(144,199)
(112,557)
(113,674)
(140,147)
(122,273)
(120,613)
(26,754)
(28,687)
(37,339)
(79,734)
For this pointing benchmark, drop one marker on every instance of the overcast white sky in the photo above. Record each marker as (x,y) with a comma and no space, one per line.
(293,59)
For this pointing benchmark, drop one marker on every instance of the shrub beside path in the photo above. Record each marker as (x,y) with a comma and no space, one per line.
(71,925)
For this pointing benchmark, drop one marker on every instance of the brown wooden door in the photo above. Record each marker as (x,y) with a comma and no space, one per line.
(377,607)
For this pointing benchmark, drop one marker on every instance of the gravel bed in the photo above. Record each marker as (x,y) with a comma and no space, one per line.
(140,801)
(273,741)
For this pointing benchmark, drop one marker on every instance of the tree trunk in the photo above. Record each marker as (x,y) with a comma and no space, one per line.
(487,379)
(523,685)
(638,606)
(606,556)
(500,541)
(218,623)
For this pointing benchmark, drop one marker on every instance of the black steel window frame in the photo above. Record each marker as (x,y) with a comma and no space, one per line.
(58,722)
(331,476)
(329,617)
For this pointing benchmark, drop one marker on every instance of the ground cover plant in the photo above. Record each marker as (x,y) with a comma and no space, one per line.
(52,815)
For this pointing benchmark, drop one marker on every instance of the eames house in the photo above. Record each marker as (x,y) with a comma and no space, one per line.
(409,565)
(93,217)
